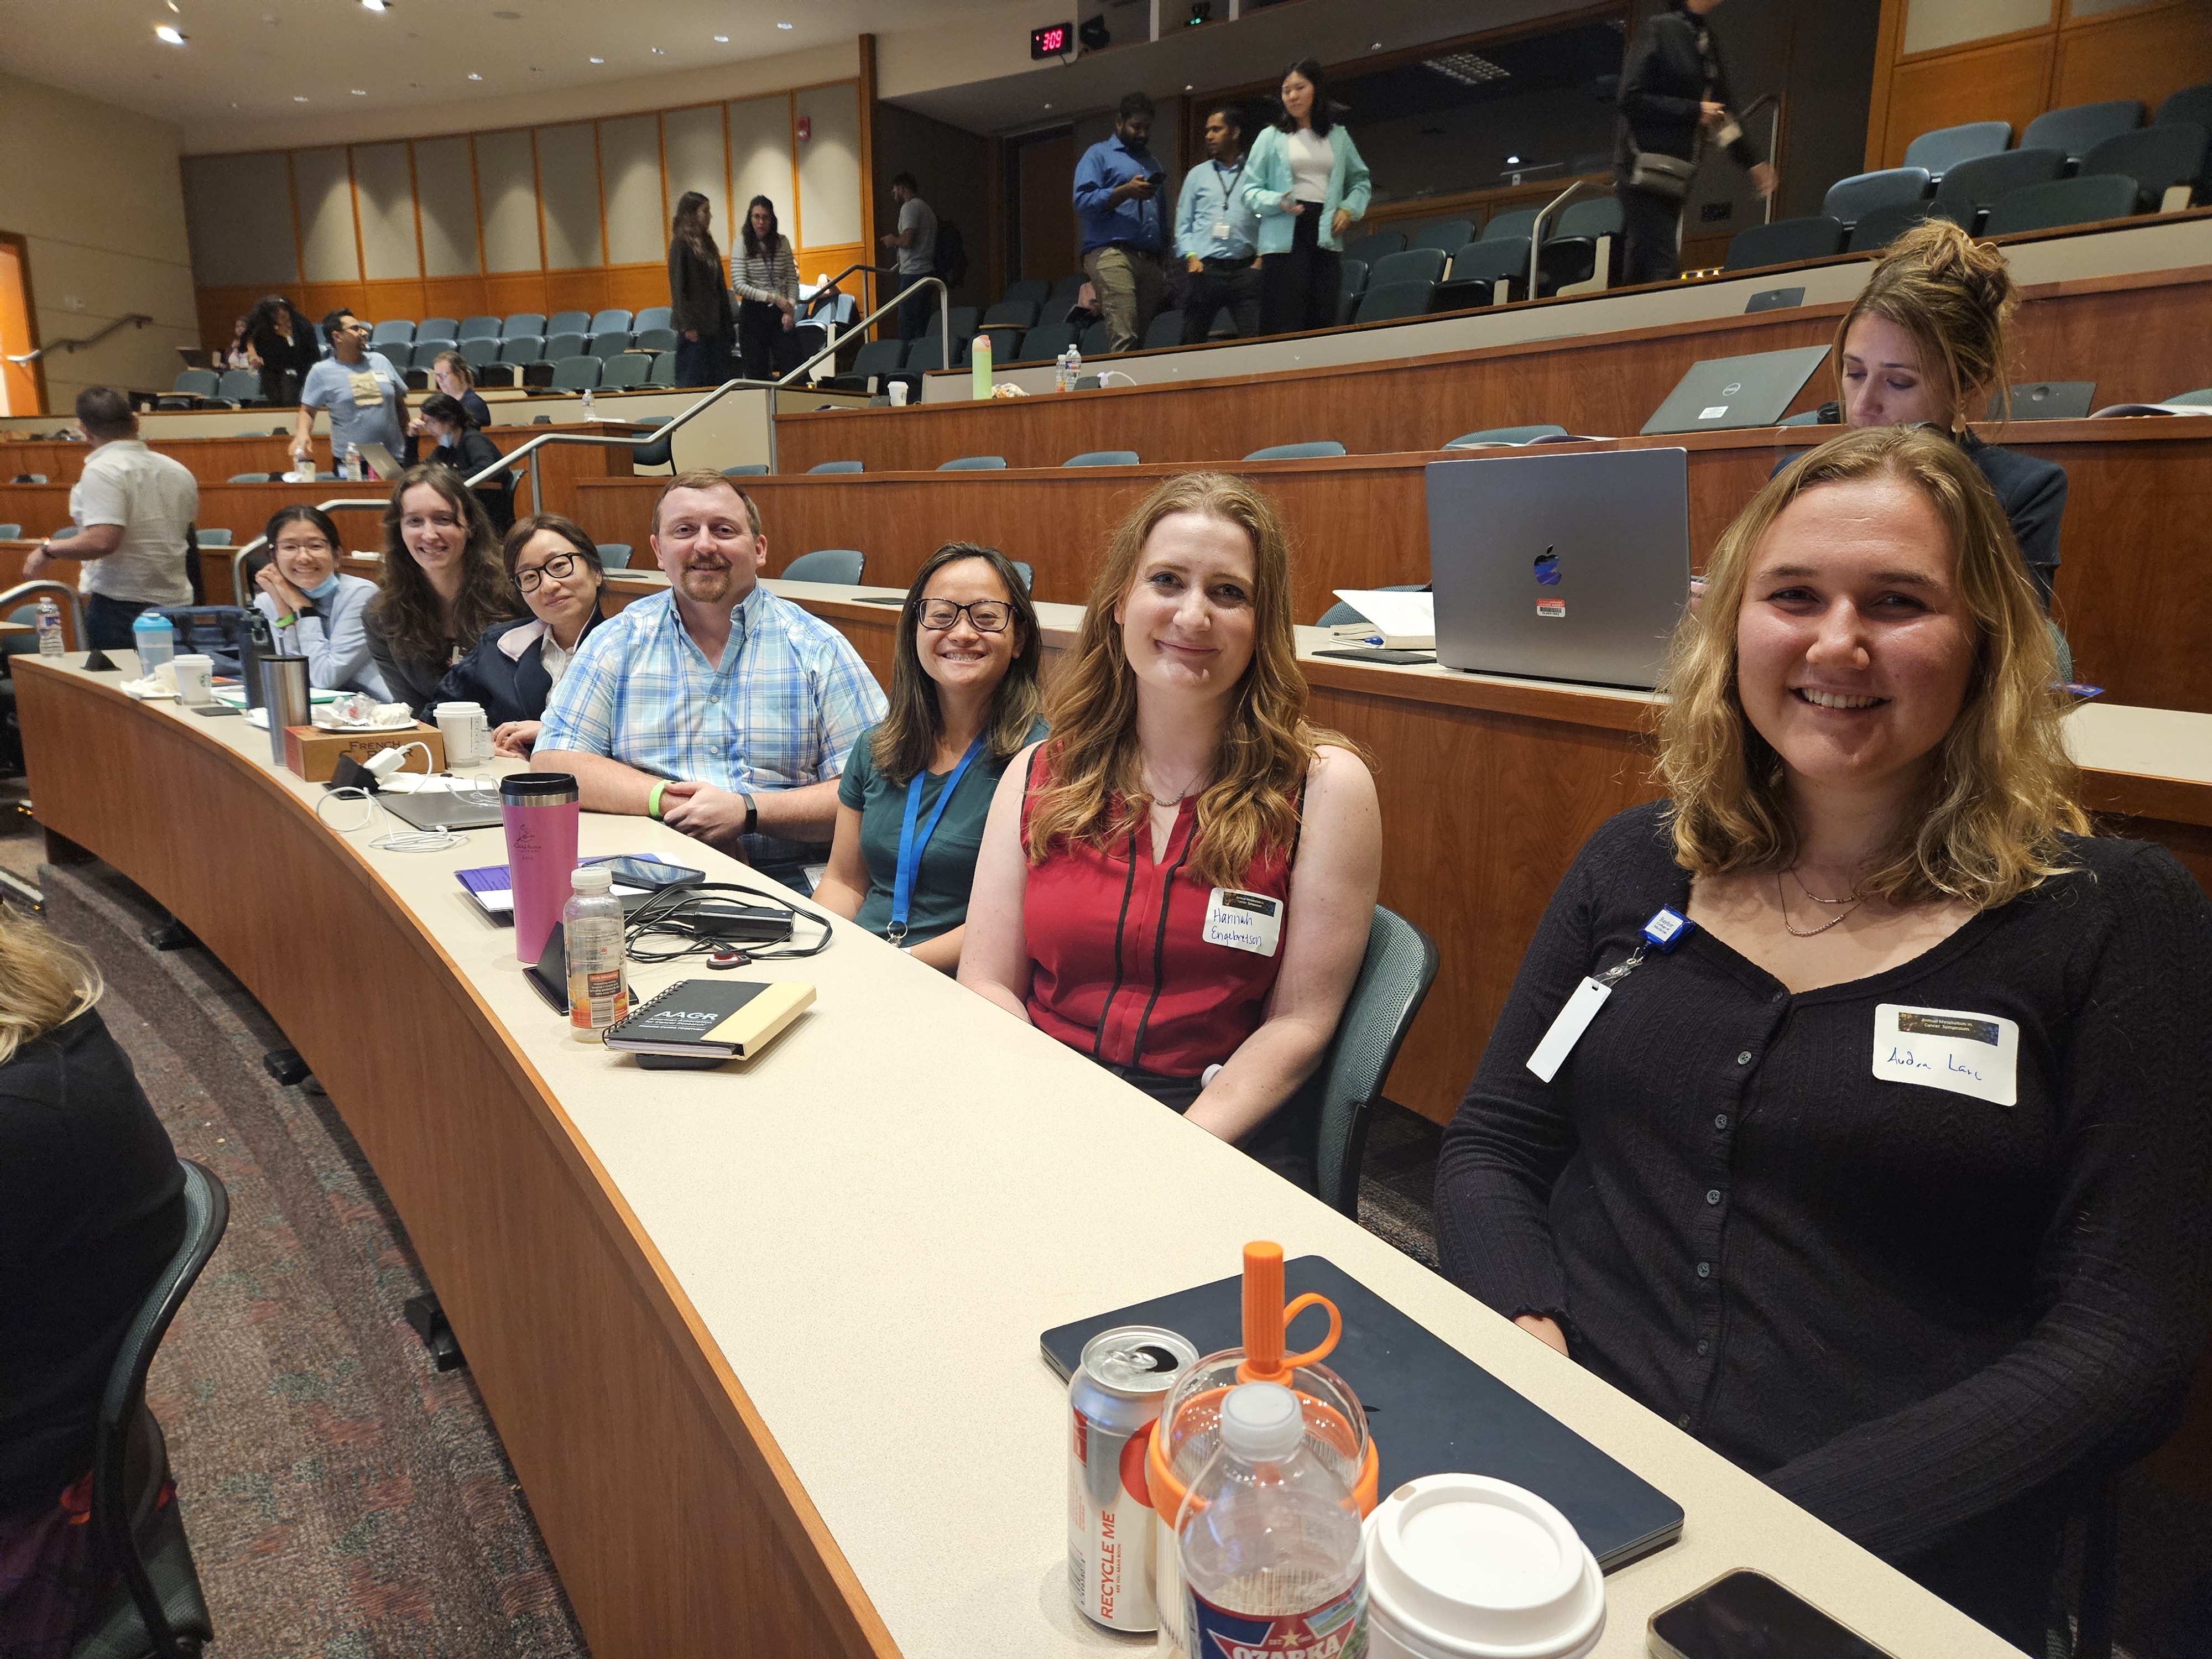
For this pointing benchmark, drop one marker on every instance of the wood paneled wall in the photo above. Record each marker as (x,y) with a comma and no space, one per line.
(2141,337)
(2073,56)
(2139,491)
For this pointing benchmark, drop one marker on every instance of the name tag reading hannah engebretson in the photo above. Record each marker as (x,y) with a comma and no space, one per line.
(1667,929)
(1949,1049)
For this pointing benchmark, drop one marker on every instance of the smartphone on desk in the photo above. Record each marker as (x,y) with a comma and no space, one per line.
(1747,1615)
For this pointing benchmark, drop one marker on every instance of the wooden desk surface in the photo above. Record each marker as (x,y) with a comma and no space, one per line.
(732,1325)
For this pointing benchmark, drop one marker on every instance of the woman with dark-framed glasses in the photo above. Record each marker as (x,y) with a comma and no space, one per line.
(516,664)
(911,805)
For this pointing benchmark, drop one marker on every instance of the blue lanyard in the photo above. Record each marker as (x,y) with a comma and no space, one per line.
(911,842)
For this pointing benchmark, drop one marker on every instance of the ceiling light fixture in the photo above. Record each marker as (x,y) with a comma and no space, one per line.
(473,76)
(721,40)
(658,53)
(297,99)
(598,60)
(358,92)
(783,25)
(373,5)
(1512,161)
(168,34)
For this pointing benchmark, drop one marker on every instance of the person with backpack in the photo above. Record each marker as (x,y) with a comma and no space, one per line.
(916,242)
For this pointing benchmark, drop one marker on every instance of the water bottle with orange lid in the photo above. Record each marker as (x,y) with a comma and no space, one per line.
(1188,1435)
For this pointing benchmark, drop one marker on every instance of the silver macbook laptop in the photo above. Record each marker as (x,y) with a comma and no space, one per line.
(1560,567)
(443,810)
(1721,394)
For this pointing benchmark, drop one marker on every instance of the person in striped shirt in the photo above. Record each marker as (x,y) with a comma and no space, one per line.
(765,274)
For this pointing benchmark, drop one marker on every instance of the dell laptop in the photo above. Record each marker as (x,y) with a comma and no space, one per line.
(1722,394)
(1560,567)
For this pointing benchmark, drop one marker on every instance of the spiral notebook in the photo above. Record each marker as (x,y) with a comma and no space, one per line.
(698,1024)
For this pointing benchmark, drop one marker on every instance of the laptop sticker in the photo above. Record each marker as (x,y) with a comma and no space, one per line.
(1714,413)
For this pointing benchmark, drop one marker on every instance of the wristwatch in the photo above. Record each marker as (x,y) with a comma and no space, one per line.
(752,812)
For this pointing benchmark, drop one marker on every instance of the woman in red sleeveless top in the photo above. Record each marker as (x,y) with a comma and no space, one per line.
(1179,881)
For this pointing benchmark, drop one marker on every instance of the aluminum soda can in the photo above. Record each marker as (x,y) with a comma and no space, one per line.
(1113,1399)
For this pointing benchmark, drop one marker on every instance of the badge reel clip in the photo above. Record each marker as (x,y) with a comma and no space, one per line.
(1667,929)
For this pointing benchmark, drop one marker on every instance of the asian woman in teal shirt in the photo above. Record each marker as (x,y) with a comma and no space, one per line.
(1308,183)
(915,792)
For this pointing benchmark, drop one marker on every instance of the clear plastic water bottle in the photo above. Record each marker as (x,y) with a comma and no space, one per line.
(50,625)
(591,926)
(1074,366)
(1060,369)
(154,640)
(352,467)
(1272,1553)
(588,403)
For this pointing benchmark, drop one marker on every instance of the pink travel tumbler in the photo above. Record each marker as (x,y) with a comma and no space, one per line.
(539,811)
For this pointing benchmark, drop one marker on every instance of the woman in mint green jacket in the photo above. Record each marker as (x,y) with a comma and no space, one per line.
(1307,183)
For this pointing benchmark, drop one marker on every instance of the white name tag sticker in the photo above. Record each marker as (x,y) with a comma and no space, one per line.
(1712,412)
(1221,230)
(1949,1049)
(1244,922)
(1573,1019)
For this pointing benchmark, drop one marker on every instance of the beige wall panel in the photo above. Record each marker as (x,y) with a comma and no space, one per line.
(386,192)
(630,169)
(238,210)
(697,159)
(829,167)
(760,161)
(506,185)
(446,194)
(1931,24)
(569,186)
(329,249)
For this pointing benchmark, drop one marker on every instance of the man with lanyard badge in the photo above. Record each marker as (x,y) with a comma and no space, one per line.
(1217,234)
(1116,188)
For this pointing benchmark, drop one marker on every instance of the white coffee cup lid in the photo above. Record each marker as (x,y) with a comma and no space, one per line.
(1462,1567)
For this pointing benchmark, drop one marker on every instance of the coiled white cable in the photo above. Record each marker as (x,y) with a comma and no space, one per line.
(391,841)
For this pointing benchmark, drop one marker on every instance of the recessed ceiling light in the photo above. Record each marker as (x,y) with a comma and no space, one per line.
(1376,46)
(1185,85)
(657,52)
(1512,161)
(783,25)
(358,92)
(1048,106)
(373,5)
(175,7)
(473,76)
(166,34)
(721,40)
(598,60)
(297,99)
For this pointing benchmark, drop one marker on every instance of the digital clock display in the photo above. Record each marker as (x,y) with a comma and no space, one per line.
(1051,41)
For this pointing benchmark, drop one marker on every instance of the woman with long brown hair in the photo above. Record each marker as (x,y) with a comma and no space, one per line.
(1881,1165)
(917,791)
(92,1207)
(1181,880)
(765,274)
(441,586)
(698,303)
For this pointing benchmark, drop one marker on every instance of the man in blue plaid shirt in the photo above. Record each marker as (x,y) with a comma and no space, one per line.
(716,707)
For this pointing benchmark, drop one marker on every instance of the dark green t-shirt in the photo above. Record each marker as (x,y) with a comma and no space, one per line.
(948,863)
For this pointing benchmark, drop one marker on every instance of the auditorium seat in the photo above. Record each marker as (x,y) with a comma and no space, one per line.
(241,386)
(1064,295)
(568,322)
(1585,232)
(397,332)
(961,318)
(615,556)
(746,470)
(663,372)
(1972,188)
(1446,235)
(2193,104)
(658,339)
(193,384)
(1505,435)
(928,352)
(2080,128)
(625,371)
(1105,458)
(1094,342)
(2063,202)
(1478,268)
(1027,572)
(1297,451)
(1415,264)
(607,342)
(1515,225)
(567,343)
(1012,313)
(437,328)
(652,317)
(612,320)
(2164,160)
(1044,343)
(1785,242)
(875,360)
(1034,289)
(1375,245)
(211,538)
(253,477)
(837,466)
(1885,225)
(1163,331)
(827,564)
(1351,283)
(1946,147)
(577,373)
(974,464)
(424,356)
(521,349)
(530,323)
(478,328)
(481,350)
(1849,199)
(1386,302)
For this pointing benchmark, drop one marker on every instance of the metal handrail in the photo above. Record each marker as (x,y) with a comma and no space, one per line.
(43,585)
(836,343)
(136,319)
(866,269)
(1773,138)
(1545,215)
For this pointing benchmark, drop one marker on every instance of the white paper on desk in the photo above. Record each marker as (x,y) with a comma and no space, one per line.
(1396,615)
(500,901)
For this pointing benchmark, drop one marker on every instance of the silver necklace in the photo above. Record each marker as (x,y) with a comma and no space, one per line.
(1782,902)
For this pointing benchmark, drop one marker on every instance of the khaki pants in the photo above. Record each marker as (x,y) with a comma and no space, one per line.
(1128,286)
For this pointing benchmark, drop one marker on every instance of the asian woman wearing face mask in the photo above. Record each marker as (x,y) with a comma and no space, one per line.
(316,612)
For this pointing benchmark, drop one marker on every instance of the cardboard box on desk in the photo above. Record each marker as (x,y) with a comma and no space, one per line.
(313,753)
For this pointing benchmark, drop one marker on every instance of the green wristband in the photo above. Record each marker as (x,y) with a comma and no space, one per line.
(653,801)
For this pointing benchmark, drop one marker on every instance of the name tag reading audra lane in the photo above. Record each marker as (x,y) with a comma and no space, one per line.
(1949,1049)
(1243,921)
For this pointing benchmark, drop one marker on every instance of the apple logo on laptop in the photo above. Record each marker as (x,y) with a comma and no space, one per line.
(1547,568)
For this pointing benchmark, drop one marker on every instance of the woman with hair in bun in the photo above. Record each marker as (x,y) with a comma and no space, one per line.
(1882,1167)
(1925,343)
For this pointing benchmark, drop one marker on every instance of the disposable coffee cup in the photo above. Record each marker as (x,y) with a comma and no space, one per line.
(194,680)
(1462,1567)
(466,732)
(898,394)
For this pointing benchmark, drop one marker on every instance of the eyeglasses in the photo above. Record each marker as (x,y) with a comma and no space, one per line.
(984,615)
(559,566)
(318,547)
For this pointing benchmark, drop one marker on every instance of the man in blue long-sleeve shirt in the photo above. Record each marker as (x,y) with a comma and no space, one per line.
(1217,233)
(1116,202)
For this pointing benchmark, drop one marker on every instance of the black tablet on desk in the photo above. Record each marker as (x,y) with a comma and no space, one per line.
(1431,1409)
